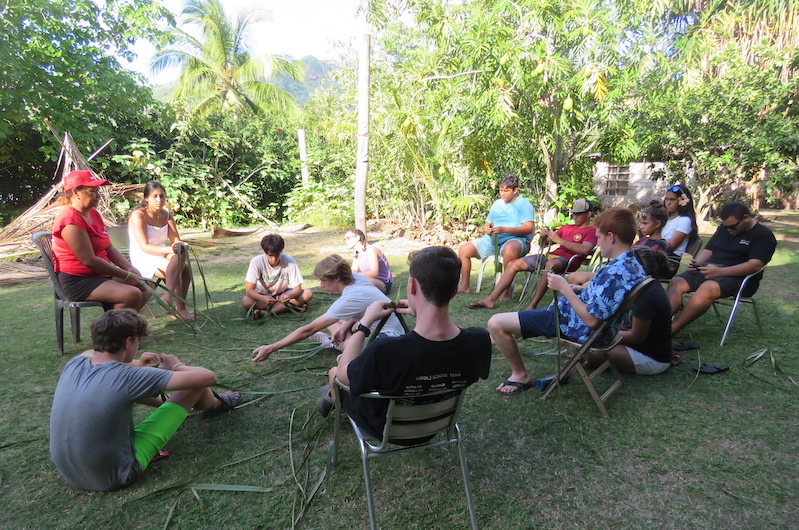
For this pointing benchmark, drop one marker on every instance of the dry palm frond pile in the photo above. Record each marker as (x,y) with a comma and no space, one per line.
(15,238)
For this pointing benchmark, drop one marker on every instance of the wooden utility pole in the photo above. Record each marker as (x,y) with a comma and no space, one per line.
(362,156)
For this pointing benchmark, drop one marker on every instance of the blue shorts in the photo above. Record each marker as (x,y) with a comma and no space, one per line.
(485,247)
(538,322)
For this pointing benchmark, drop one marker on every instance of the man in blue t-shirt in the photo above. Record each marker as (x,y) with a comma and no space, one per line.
(739,247)
(511,219)
(579,311)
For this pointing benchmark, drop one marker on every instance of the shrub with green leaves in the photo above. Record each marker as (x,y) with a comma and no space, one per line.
(328,204)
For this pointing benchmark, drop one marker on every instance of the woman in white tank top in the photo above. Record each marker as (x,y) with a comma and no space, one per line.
(153,239)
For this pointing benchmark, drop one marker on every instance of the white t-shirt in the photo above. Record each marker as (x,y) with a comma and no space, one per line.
(355,298)
(678,224)
(273,280)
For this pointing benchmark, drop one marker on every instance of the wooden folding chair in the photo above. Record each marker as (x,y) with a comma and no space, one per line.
(582,350)
(42,240)
(409,419)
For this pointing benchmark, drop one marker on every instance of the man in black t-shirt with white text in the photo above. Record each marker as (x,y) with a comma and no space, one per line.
(739,247)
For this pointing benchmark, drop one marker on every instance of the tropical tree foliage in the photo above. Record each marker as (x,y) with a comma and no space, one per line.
(218,68)
(724,113)
(59,64)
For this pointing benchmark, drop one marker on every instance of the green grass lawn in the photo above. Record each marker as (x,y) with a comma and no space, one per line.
(681,451)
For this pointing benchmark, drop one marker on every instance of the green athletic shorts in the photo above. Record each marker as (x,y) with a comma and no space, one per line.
(152,434)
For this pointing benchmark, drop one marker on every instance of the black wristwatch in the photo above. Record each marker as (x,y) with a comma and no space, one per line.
(361,327)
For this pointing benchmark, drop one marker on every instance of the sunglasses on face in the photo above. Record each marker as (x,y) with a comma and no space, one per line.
(733,226)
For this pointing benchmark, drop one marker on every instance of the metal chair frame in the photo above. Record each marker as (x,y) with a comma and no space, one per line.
(735,302)
(409,418)
(586,348)
(42,241)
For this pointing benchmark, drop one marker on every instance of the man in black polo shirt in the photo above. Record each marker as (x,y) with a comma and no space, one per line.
(739,247)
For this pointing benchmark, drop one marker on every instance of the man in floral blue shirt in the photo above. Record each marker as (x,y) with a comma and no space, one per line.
(579,310)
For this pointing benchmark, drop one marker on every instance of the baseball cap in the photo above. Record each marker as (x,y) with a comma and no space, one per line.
(582,205)
(82,177)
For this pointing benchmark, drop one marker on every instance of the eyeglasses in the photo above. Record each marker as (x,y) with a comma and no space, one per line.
(732,226)
(674,189)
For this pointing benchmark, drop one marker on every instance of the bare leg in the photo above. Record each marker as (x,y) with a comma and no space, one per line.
(619,357)
(301,301)
(677,287)
(122,295)
(177,281)
(466,252)
(377,283)
(697,305)
(504,329)
(516,266)
(510,252)
(554,265)
(195,398)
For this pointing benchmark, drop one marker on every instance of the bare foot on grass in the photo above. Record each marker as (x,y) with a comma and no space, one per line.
(187,316)
(485,303)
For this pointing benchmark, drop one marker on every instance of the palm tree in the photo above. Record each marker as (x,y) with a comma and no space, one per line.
(219,70)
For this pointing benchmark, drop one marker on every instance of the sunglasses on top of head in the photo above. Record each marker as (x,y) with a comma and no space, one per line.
(674,189)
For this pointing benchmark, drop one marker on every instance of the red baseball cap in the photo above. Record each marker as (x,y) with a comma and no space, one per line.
(82,177)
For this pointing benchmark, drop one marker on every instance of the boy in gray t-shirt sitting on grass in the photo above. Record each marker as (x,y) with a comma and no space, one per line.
(93,441)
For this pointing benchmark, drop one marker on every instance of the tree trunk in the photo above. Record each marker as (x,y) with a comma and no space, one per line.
(303,157)
(362,157)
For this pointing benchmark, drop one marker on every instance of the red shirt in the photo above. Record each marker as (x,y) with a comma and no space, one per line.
(575,234)
(64,259)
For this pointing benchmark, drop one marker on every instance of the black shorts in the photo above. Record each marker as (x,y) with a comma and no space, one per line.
(729,284)
(79,288)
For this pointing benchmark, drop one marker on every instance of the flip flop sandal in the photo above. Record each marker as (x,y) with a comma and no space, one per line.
(520,387)
(229,399)
(709,369)
(683,346)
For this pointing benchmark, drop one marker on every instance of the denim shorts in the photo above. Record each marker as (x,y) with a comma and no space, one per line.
(485,247)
